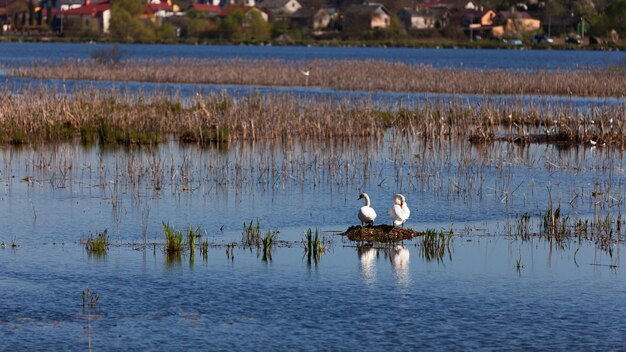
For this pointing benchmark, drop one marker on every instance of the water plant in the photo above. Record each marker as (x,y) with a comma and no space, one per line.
(90,298)
(336,74)
(173,239)
(313,245)
(268,242)
(435,244)
(98,245)
(192,235)
(251,234)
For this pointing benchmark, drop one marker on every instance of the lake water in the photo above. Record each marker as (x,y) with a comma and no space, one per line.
(25,53)
(488,290)
(474,297)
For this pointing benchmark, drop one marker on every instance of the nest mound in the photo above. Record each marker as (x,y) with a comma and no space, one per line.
(379,233)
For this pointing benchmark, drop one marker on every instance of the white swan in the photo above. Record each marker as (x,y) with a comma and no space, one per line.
(399,212)
(366,213)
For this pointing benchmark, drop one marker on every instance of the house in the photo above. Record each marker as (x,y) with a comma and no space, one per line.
(90,17)
(317,20)
(366,16)
(423,18)
(160,9)
(515,21)
(226,3)
(326,18)
(280,9)
(479,19)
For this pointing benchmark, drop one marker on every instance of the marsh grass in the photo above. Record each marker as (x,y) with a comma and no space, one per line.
(434,245)
(603,230)
(98,245)
(251,235)
(314,245)
(173,240)
(90,298)
(368,75)
(267,242)
(113,118)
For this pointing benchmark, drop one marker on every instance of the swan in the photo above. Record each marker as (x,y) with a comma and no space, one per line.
(399,212)
(367,214)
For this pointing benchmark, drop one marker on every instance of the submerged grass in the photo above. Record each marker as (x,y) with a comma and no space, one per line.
(339,74)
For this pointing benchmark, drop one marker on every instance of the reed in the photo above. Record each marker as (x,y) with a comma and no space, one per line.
(112,118)
(90,298)
(314,245)
(603,230)
(339,74)
(251,235)
(268,242)
(173,239)
(435,245)
(98,245)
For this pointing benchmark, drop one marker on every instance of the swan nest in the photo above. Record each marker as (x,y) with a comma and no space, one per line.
(379,233)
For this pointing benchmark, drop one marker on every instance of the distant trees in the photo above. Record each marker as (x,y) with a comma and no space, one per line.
(612,18)
(126,25)
(240,25)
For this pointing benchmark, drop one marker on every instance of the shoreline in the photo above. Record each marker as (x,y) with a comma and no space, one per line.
(417,44)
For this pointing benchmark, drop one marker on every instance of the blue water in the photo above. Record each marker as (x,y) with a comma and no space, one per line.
(24,53)
(474,297)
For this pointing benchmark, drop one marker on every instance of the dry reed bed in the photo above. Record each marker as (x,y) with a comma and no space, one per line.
(115,118)
(340,74)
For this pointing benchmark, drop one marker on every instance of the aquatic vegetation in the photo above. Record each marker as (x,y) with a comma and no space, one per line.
(173,239)
(90,298)
(125,119)
(204,248)
(251,234)
(314,245)
(337,74)
(268,241)
(98,245)
(434,245)
(603,230)
(192,235)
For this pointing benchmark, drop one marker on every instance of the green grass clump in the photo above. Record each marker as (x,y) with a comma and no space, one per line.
(173,239)
(98,245)
(268,242)
(313,245)
(251,234)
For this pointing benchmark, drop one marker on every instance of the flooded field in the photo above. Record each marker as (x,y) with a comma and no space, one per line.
(231,241)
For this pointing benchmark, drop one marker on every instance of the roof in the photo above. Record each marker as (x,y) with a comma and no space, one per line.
(367,9)
(273,4)
(206,8)
(91,9)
